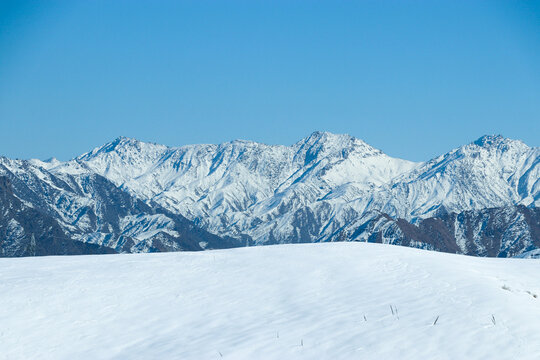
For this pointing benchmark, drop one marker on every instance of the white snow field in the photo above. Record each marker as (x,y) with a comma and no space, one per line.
(315,301)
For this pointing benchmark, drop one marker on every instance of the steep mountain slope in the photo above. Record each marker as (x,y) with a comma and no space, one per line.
(244,188)
(501,232)
(25,231)
(86,208)
(132,196)
(490,172)
(322,188)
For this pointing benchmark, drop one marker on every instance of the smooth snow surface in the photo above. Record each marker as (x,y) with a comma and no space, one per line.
(274,302)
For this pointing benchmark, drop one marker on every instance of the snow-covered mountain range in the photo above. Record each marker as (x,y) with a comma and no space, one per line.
(482,198)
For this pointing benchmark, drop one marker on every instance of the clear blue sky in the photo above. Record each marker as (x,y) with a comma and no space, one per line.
(413,78)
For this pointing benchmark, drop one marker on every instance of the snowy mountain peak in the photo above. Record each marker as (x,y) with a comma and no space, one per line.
(52,160)
(46,164)
(122,146)
(324,187)
(328,145)
(249,188)
(119,142)
(123,141)
(498,143)
(489,140)
(324,137)
(317,136)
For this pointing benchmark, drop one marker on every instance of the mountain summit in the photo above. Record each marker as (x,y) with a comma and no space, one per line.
(325,187)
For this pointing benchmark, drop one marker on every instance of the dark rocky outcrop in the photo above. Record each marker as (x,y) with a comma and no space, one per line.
(496,232)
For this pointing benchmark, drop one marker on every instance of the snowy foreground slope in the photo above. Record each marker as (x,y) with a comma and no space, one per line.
(277,302)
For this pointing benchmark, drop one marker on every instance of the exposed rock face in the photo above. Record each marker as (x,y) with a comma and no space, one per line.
(501,232)
(130,196)
(43,214)
(25,231)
